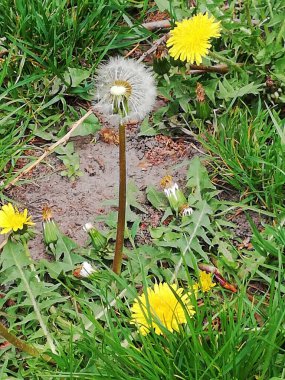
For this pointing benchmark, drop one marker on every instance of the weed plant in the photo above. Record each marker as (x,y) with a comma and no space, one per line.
(84,324)
(49,51)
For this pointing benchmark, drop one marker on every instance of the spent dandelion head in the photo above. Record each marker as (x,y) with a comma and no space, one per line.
(85,270)
(190,39)
(174,194)
(164,306)
(125,90)
(13,220)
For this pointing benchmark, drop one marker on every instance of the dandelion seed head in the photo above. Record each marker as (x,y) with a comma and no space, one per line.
(126,85)
(118,90)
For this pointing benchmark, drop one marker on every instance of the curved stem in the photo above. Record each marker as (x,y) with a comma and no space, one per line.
(20,344)
(117,263)
(223,59)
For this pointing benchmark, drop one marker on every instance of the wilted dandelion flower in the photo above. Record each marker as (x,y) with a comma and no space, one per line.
(84,270)
(125,90)
(99,241)
(189,40)
(13,220)
(160,307)
(205,282)
(175,196)
(51,231)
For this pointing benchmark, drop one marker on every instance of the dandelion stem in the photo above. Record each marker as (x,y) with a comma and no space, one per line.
(117,263)
(20,344)
(223,59)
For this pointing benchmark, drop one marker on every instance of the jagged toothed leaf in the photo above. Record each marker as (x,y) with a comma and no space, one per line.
(64,248)
(32,294)
(198,179)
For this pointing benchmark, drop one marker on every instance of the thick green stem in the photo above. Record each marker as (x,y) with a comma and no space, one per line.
(20,344)
(117,263)
(221,58)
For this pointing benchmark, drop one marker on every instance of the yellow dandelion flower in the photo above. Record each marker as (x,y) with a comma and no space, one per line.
(13,220)
(189,40)
(205,282)
(160,307)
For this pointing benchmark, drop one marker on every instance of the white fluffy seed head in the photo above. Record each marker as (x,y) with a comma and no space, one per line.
(140,94)
(118,90)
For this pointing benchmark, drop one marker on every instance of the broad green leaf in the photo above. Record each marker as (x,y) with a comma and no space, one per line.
(76,76)
(89,126)
(146,129)
(198,178)
(157,198)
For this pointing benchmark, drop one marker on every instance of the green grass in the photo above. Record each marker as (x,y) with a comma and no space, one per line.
(52,49)
(56,34)
(239,347)
(248,151)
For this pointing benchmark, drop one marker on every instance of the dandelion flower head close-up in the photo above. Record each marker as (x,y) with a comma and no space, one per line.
(190,39)
(164,306)
(13,220)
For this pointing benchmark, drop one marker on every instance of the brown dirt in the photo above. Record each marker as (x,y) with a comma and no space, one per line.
(76,203)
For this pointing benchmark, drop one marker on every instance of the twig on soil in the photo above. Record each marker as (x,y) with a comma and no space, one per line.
(131,51)
(165,24)
(3,244)
(153,48)
(152,25)
(221,69)
(49,150)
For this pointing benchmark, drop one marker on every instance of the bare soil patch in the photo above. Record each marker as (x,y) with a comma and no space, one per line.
(78,202)
(75,203)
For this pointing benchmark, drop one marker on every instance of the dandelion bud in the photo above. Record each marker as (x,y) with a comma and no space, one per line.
(175,196)
(185,211)
(161,66)
(203,109)
(99,241)
(50,228)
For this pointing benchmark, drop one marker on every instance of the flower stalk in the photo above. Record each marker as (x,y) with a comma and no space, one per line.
(20,344)
(117,262)
(125,90)
(229,62)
